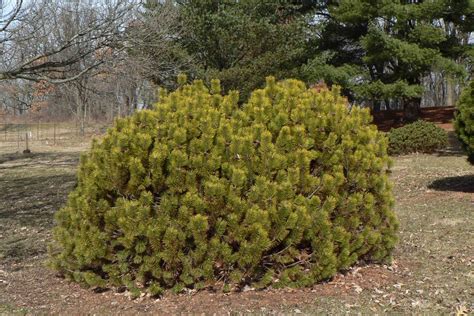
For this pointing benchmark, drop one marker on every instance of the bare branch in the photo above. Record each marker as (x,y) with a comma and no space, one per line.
(12,16)
(58,41)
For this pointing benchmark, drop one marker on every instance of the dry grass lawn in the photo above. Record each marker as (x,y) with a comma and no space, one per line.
(433,270)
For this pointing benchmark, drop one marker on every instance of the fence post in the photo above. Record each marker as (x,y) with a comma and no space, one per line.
(54,135)
(18,136)
(26,142)
(38,131)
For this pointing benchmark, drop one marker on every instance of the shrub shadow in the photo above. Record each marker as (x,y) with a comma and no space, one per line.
(32,200)
(27,207)
(457,184)
(41,158)
(454,147)
(450,153)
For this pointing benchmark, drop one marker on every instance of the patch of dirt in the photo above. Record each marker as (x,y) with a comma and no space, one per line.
(448,222)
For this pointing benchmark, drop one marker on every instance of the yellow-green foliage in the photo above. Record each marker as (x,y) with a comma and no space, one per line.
(286,190)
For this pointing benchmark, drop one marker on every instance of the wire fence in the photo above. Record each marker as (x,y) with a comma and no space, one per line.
(18,137)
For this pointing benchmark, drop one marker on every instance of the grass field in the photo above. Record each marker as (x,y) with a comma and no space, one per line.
(432,273)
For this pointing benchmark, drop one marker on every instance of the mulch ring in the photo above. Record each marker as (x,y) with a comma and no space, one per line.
(36,289)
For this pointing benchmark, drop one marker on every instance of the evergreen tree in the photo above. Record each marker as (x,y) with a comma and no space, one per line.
(464,121)
(380,50)
(242,42)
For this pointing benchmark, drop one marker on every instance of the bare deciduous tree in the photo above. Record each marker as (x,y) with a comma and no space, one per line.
(151,43)
(100,58)
(45,40)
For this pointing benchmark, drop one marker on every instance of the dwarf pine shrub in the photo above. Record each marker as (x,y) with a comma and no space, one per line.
(284,191)
(464,121)
(420,136)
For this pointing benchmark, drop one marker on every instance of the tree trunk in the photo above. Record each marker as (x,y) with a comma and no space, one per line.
(376,105)
(411,109)
(449,92)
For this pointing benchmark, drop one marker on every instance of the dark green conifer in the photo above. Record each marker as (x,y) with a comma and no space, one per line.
(464,121)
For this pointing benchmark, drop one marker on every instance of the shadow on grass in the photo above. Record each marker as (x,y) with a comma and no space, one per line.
(454,147)
(41,158)
(27,206)
(450,152)
(457,184)
(32,200)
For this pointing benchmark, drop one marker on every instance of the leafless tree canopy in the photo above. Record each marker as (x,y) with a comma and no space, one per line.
(86,59)
(59,40)
(152,46)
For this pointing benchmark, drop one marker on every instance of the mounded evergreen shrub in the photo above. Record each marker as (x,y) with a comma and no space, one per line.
(464,121)
(420,136)
(199,192)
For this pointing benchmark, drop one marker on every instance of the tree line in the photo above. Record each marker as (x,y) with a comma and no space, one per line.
(106,58)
